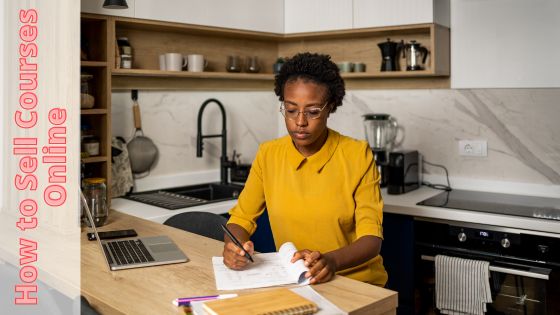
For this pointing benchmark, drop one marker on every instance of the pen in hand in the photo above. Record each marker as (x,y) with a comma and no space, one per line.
(236,242)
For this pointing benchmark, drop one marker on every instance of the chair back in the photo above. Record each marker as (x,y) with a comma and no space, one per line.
(202,223)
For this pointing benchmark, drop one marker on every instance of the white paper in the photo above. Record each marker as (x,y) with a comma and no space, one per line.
(269,269)
(326,307)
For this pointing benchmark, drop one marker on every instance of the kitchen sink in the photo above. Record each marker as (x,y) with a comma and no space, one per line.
(188,196)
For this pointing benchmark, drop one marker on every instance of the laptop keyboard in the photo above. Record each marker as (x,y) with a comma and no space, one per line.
(127,252)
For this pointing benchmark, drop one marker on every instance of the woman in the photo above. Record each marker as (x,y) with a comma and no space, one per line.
(321,189)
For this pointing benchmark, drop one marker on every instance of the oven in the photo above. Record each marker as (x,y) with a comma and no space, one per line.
(524,265)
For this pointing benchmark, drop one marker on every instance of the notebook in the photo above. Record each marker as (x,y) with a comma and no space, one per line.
(269,269)
(277,301)
(136,252)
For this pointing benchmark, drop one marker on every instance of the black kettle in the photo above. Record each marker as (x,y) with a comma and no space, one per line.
(389,54)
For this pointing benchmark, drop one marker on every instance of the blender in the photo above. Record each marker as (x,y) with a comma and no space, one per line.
(381,132)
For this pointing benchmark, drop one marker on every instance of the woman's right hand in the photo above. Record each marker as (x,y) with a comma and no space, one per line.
(234,257)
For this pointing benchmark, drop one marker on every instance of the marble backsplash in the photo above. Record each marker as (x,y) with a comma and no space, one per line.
(520,125)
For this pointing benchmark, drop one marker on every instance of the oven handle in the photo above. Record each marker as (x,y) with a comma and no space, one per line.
(503,270)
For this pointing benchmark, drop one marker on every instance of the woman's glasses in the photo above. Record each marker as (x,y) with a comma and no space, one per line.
(309,113)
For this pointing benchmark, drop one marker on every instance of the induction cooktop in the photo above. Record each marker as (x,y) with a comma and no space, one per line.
(516,205)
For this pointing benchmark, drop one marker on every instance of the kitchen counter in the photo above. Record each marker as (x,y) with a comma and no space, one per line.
(398,204)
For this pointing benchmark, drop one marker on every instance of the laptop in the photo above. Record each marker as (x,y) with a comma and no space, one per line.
(136,252)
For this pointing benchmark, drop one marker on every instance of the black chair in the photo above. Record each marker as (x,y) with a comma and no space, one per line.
(201,223)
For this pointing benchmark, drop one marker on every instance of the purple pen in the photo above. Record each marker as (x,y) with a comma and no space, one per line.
(186,301)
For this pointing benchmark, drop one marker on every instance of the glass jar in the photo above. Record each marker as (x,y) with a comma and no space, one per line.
(126,61)
(91,146)
(95,192)
(86,93)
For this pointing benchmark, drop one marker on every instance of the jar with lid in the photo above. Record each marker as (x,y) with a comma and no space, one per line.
(91,145)
(126,61)
(87,99)
(95,192)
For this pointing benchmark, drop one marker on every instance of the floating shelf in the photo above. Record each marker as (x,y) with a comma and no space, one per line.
(93,111)
(93,63)
(95,159)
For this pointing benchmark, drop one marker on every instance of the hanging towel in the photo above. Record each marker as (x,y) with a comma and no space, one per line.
(462,285)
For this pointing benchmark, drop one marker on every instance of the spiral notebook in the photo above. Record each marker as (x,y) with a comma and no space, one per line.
(277,301)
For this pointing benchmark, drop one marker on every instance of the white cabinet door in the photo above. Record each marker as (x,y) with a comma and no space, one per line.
(317,15)
(96,6)
(377,13)
(505,44)
(256,15)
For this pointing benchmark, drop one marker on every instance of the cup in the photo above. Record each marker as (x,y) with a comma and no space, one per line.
(345,66)
(196,63)
(233,64)
(360,67)
(253,65)
(174,62)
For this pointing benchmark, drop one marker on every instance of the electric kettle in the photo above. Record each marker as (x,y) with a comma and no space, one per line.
(415,56)
(389,55)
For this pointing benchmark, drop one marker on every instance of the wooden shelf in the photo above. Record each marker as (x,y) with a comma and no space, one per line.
(147,79)
(94,111)
(199,75)
(150,38)
(95,159)
(85,63)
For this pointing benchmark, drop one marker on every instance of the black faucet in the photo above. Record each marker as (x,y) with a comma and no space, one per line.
(224,162)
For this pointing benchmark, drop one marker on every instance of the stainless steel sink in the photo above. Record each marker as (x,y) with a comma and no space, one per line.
(188,196)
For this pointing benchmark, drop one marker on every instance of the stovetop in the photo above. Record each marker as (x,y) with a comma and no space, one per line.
(516,205)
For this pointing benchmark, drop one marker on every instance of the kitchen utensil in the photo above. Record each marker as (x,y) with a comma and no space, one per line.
(253,64)
(414,52)
(141,149)
(233,64)
(359,67)
(174,62)
(381,132)
(196,63)
(389,55)
(345,66)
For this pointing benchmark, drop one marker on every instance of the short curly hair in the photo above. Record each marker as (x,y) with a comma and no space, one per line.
(317,68)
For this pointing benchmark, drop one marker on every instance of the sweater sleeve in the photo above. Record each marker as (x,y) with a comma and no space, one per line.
(251,202)
(369,203)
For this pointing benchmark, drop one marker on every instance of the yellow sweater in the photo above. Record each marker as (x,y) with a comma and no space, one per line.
(323,202)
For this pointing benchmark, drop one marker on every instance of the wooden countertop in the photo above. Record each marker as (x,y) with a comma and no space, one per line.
(150,290)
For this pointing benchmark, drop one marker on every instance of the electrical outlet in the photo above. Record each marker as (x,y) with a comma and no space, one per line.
(473,147)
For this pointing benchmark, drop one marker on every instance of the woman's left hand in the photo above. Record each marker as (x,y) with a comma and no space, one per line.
(322,267)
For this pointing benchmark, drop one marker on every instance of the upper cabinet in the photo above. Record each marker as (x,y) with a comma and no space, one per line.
(302,16)
(255,15)
(376,13)
(96,6)
(505,44)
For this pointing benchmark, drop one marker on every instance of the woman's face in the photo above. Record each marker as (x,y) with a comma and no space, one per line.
(308,135)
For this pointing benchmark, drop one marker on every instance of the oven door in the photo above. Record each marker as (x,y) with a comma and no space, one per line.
(516,288)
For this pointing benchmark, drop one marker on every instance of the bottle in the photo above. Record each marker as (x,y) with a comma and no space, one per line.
(95,192)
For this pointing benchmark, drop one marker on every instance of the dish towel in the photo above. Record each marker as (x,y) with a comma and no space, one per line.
(462,285)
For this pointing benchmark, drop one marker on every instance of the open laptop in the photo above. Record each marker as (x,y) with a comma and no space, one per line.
(135,252)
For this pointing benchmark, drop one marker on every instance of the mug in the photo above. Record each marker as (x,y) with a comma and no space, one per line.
(345,66)
(174,62)
(162,62)
(196,63)
(360,67)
